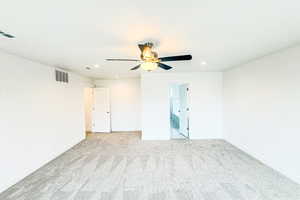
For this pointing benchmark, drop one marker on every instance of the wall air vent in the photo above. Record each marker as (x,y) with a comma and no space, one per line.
(61,76)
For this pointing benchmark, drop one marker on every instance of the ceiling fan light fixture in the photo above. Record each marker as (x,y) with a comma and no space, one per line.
(147,53)
(149,66)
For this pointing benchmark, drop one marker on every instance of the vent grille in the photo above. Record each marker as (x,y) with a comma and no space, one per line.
(61,76)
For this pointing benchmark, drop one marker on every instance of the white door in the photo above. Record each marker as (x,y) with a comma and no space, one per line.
(184,110)
(101,111)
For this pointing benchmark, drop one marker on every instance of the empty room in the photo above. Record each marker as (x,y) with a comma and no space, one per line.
(150,100)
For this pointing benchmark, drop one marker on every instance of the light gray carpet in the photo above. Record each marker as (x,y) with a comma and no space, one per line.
(121,166)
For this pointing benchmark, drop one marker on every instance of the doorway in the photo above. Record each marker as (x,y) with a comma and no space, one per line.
(101,111)
(179,111)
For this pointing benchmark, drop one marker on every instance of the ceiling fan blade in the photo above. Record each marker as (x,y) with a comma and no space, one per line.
(163,66)
(176,58)
(136,67)
(7,35)
(136,60)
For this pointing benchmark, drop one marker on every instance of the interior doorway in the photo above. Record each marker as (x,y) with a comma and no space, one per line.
(101,111)
(179,110)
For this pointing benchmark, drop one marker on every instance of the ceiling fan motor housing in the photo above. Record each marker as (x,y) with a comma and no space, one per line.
(147,54)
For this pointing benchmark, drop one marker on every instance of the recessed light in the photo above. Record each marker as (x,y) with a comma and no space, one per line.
(203,63)
(96,66)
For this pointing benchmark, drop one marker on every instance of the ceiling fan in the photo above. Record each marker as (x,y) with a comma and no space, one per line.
(150,59)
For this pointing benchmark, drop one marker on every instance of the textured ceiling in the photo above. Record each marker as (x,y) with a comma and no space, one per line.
(77,34)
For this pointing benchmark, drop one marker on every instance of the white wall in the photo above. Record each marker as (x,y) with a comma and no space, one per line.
(88,108)
(39,118)
(262,110)
(125,102)
(205,104)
